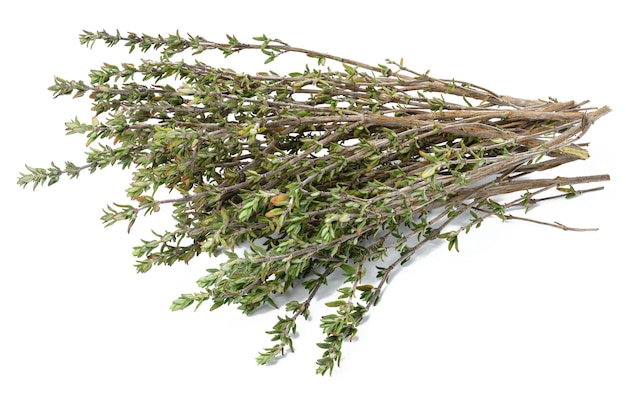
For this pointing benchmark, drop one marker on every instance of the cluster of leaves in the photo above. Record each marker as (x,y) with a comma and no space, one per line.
(320,171)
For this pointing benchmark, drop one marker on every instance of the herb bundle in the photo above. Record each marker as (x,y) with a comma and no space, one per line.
(317,172)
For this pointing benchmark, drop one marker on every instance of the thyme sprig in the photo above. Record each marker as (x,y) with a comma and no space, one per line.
(318,171)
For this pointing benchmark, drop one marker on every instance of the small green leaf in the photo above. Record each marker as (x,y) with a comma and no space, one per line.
(575,151)
(274,212)
(182,302)
(348,270)
(430,171)
(335,303)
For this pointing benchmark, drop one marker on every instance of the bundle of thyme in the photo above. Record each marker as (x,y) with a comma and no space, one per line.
(319,171)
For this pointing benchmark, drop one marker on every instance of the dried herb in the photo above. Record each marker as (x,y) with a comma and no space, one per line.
(319,171)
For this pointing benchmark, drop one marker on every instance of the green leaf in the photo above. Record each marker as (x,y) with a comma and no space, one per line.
(182,302)
(274,212)
(348,270)
(575,151)
(335,303)
(430,171)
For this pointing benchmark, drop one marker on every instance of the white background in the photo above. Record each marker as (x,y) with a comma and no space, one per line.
(521,311)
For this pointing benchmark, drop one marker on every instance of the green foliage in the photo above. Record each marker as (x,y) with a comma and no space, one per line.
(318,171)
